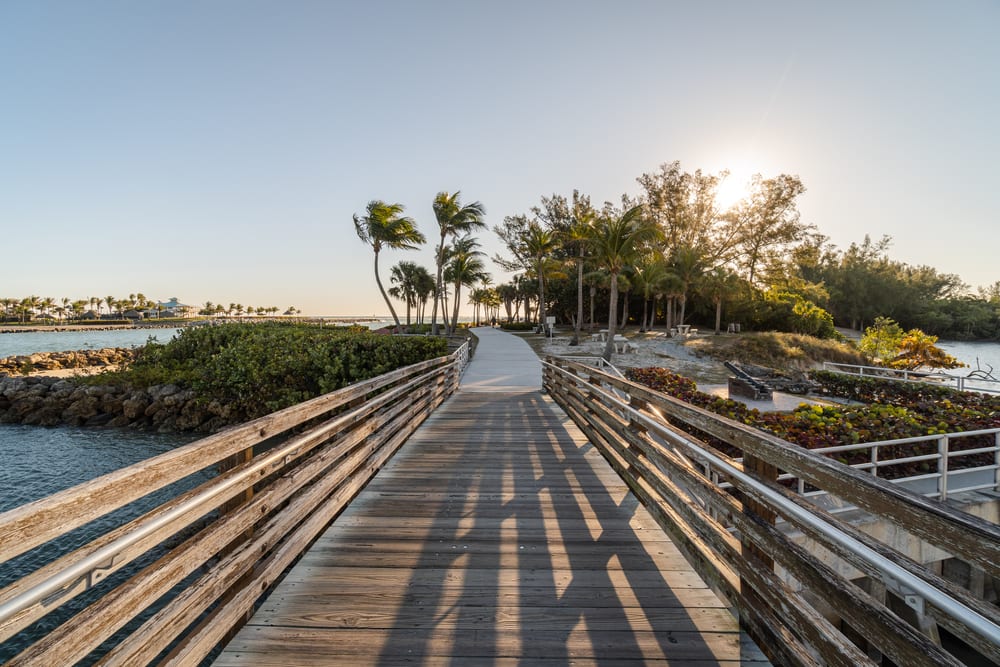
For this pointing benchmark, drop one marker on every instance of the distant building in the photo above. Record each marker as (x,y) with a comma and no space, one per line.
(174,307)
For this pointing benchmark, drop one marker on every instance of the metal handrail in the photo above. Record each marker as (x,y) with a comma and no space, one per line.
(894,576)
(943,455)
(923,377)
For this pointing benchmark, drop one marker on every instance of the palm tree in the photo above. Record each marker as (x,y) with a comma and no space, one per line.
(539,245)
(578,236)
(386,226)
(614,244)
(404,276)
(452,219)
(110,301)
(716,285)
(687,263)
(465,268)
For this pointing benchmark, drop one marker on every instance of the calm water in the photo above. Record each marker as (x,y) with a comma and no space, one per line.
(60,341)
(36,462)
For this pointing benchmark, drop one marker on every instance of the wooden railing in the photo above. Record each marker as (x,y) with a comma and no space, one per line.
(661,448)
(284,478)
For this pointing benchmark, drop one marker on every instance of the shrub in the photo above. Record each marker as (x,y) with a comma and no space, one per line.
(260,368)
(518,326)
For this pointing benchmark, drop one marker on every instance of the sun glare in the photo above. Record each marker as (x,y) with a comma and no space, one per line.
(733,188)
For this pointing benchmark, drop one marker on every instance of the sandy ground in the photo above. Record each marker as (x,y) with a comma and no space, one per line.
(648,349)
(73,372)
(658,349)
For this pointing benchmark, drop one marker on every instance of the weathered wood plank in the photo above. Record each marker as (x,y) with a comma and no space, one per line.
(499,533)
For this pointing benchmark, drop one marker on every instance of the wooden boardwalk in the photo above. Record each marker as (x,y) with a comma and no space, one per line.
(496,536)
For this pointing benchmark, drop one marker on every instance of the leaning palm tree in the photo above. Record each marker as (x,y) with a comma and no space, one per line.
(465,269)
(614,244)
(384,226)
(452,219)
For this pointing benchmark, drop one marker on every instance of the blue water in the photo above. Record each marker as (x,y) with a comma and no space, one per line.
(29,342)
(36,462)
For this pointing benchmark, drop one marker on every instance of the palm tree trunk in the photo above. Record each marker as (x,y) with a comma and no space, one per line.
(718,315)
(378,281)
(645,313)
(593,294)
(454,316)
(625,308)
(437,288)
(609,345)
(579,300)
(541,300)
(670,313)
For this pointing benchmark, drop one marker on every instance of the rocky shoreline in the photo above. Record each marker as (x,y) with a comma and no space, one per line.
(49,401)
(43,400)
(55,361)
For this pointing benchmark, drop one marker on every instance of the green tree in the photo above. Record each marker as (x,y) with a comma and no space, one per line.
(614,244)
(464,269)
(881,340)
(453,219)
(766,222)
(405,277)
(385,226)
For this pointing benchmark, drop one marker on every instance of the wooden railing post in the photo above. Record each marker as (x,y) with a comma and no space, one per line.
(755,556)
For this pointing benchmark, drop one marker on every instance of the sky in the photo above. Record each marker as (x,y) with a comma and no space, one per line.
(216,151)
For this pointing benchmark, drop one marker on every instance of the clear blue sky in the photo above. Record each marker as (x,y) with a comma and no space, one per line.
(217,150)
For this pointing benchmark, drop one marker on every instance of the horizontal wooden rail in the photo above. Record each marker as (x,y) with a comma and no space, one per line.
(229,538)
(657,444)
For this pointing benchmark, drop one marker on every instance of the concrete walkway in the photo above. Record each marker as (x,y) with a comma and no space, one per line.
(503,362)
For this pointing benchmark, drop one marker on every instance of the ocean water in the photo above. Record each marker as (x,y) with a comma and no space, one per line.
(28,342)
(36,462)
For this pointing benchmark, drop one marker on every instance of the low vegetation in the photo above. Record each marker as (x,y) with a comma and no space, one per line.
(259,368)
(786,351)
(884,411)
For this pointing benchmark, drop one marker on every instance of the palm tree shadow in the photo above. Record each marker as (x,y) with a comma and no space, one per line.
(536,551)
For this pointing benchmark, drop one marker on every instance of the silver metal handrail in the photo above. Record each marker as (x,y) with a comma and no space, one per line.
(915,590)
(900,375)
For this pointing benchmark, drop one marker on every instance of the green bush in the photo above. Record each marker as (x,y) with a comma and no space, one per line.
(518,326)
(889,410)
(260,368)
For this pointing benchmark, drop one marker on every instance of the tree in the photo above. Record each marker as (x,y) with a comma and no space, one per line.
(465,268)
(405,277)
(577,237)
(453,219)
(539,244)
(614,244)
(918,350)
(766,221)
(384,226)
(717,284)
(881,340)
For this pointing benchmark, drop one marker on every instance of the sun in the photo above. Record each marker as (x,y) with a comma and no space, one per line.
(734,187)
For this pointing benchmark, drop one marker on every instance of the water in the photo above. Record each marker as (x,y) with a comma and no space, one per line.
(988,355)
(36,462)
(28,342)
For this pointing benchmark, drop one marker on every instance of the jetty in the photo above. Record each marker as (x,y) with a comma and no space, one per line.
(499,511)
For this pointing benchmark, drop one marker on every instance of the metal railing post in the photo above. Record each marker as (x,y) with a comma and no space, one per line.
(943,468)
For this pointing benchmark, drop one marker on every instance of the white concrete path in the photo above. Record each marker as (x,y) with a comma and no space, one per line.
(503,362)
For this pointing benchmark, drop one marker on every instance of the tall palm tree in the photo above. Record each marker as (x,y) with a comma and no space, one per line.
(614,245)
(452,219)
(385,226)
(578,237)
(688,264)
(465,268)
(404,276)
(110,301)
(717,284)
(539,245)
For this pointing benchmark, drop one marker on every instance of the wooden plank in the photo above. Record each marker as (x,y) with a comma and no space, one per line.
(497,532)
